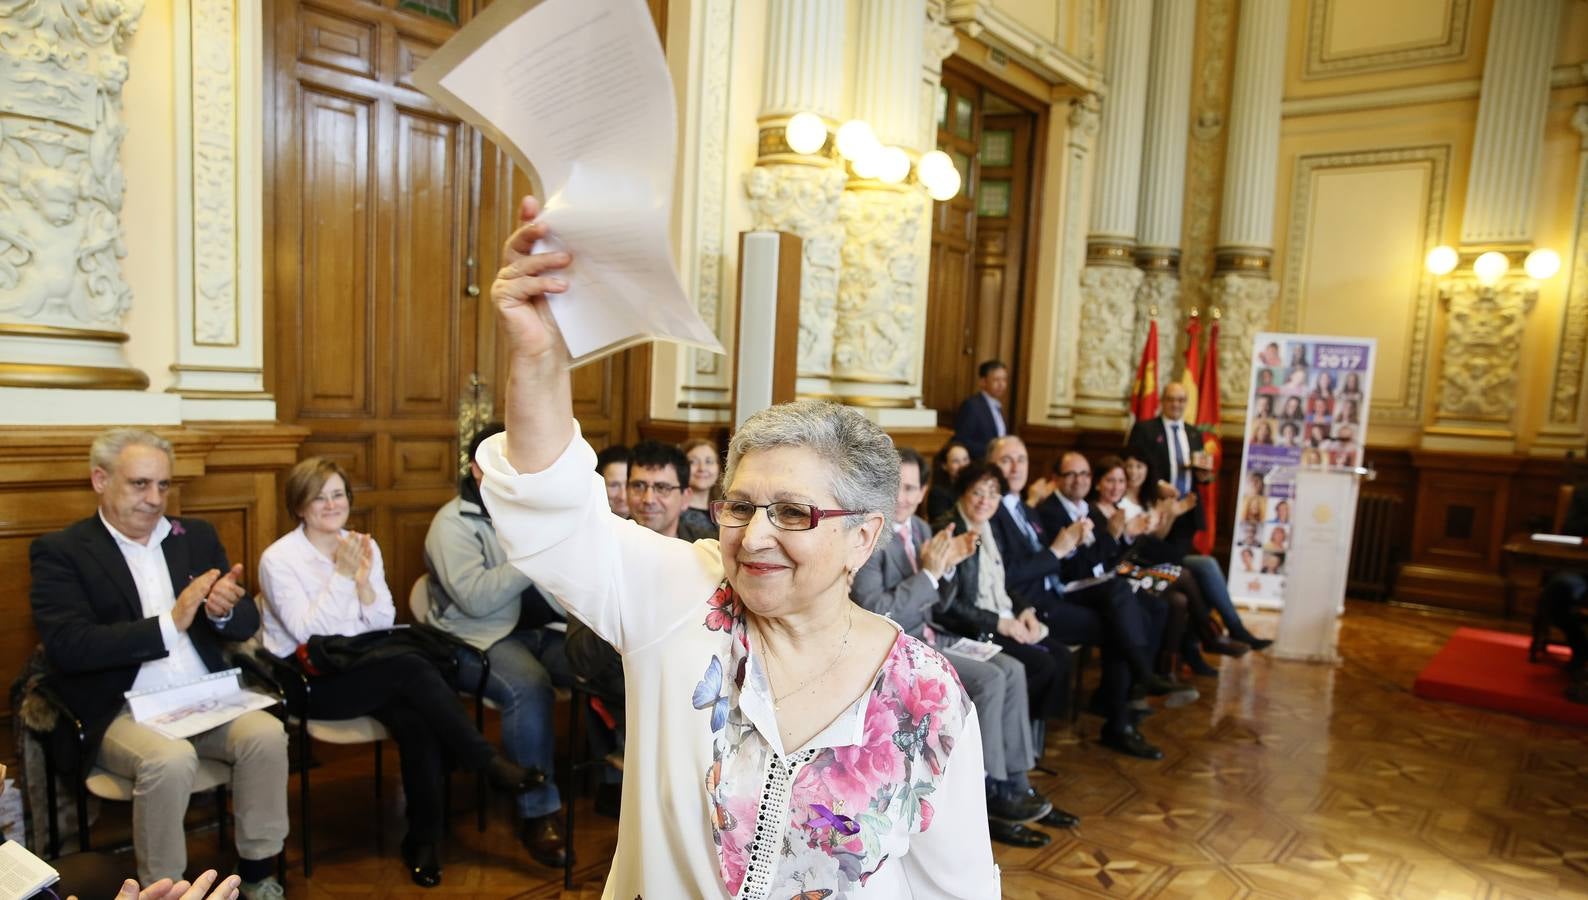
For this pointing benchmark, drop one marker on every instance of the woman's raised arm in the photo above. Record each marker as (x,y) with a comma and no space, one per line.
(539,412)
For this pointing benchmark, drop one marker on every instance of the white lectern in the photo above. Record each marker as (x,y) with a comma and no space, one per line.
(1319,557)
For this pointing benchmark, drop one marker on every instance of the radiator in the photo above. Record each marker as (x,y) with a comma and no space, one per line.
(1376,547)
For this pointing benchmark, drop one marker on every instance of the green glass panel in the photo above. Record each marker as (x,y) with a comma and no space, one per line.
(962,117)
(997,148)
(994,198)
(445,10)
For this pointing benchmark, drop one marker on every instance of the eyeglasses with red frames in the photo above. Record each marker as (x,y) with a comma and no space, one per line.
(783,515)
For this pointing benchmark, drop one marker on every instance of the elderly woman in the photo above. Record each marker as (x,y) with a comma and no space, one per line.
(321,579)
(782,741)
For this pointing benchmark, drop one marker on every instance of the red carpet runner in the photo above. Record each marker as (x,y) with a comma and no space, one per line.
(1489,669)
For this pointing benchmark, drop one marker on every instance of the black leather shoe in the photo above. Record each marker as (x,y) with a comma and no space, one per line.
(510,777)
(1017,810)
(1200,667)
(1156,685)
(1225,646)
(1016,835)
(1257,643)
(544,841)
(424,863)
(1131,743)
(1058,818)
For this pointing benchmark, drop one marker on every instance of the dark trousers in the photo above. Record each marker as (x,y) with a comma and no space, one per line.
(409,695)
(1562,601)
(1073,623)
(1127,626)
(1047,674)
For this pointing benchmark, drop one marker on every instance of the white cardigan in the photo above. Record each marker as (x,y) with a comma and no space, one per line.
(713,805)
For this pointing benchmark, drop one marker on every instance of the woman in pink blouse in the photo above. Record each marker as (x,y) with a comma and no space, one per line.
(782,741)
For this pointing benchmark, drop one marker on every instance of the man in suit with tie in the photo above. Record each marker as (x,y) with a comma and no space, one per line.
(981,417)
(130,599)
(905,580)
(1105,615)
(1173,448)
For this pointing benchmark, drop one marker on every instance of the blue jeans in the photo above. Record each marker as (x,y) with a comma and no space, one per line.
(525,666)
(1216,591)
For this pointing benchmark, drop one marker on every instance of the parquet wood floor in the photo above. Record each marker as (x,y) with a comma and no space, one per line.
(1284,780)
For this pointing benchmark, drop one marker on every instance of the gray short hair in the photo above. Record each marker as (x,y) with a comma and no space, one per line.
(861,456)
(108,446)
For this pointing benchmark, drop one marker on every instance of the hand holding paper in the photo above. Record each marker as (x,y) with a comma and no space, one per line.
(579,93)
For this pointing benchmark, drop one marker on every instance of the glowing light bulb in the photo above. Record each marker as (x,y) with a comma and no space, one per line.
(1490,267)
(944,186)
(805,133)
(1442,260)
(856,140)
(1542,263)
(893,165)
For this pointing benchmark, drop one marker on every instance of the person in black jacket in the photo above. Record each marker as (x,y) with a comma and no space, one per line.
(129,599)
(981,417)
(1564,596)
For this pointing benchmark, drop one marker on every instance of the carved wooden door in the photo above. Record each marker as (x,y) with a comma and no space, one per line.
(948,372)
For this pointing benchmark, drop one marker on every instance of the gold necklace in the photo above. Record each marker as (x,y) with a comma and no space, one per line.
(777,702)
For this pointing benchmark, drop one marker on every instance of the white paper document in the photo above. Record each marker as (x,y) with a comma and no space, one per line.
(970,648)
(21,873)
(183,710)
(578,92)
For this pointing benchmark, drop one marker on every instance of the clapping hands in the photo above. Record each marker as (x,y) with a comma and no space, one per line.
(355,556)
(945,550)
(198,889)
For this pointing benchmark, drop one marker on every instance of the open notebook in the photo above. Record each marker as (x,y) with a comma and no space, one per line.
(21,873)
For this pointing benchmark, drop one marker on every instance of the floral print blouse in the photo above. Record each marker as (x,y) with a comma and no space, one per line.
(886,802)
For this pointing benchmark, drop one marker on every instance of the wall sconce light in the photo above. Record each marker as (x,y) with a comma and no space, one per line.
(937,174)
(1490,267)
(1542,264)
(893,165)
(857,142)
(805,133)
(1442,260)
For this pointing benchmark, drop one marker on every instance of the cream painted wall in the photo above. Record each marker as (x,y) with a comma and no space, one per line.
(1357,188)
(148,216)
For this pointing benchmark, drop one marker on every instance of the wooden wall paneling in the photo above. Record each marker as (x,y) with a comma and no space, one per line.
(1459,525)
(948,372)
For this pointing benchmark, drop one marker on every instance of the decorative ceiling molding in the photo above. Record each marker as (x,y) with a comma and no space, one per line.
(985,22)
(1318,62)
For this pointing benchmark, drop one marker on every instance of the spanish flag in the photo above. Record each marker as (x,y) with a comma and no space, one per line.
(1205,415)
(1144,393)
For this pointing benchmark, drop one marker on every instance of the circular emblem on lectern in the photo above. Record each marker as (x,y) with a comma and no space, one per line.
(1322,514)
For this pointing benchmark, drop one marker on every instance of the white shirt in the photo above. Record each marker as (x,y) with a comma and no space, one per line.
(1078,510)
(152,577)
(997,413)
(1175,428)
(714,805)
(304,596)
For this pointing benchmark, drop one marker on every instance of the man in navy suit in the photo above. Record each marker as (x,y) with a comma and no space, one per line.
(981,417)
(130,599)
(907,579)
(1105,615)
(1171,446)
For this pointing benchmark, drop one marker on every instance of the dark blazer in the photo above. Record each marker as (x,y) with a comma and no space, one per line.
(1026,568)
(974,425)
(940,499)
(1105,551)
(1151,439)
(889,585)
(91,620)
(960,614)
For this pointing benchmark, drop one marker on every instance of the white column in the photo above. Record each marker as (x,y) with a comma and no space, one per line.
(1241,285)
(799,193)
(1163,162)
(63,298)
(1502,185)
(1566,427)
(1062,350)
(882,283)
(220,312)
(1110,280)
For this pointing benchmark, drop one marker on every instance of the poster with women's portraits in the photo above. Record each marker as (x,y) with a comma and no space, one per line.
(1307,408)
